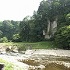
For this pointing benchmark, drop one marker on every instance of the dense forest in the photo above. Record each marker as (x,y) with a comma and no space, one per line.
(38,26)
(8,30)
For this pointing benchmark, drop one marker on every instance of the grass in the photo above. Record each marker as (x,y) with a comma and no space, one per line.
(26,45)
(8,66)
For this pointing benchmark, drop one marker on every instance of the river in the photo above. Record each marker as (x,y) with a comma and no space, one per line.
(39,59)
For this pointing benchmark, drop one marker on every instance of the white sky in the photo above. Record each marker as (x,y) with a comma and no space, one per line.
(17,9)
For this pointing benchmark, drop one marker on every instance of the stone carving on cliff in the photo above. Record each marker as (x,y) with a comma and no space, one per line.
(51,29)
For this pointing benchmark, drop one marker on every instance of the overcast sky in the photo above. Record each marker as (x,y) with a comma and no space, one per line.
(17,9)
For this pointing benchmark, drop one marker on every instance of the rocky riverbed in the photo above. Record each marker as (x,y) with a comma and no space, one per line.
(40,59)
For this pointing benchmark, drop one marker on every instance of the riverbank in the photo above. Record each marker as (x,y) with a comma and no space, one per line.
(48,59)
(22,46)
(37,56)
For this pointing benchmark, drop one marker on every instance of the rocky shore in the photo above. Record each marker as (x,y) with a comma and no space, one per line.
(39,59)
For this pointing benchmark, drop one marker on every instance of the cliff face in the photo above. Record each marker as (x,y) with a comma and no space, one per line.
(51,29)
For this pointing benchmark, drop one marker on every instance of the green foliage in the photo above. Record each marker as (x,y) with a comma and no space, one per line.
(8,66)
(31,29)
(1,33)
(37,45)
(16,37)
(4,40)
(8,28)
(68,18)
(62,37)
(24,30)
(49,10)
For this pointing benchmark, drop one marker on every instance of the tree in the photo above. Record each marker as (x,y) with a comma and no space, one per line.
(9,28)
(16,38)
(15,26)
(24,29)
(38,27)
(4,40)
(1,33)
(52,10)
(62,37)
(50,15)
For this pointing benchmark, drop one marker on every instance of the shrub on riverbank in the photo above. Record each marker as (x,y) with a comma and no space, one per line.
(8,66)
(25,45)
(62,37)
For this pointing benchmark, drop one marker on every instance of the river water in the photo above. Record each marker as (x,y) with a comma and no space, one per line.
(40,59)
(48,59)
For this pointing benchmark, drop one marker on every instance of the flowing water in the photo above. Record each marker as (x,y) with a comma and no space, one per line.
(42,60)
(54,66)
(48,62)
